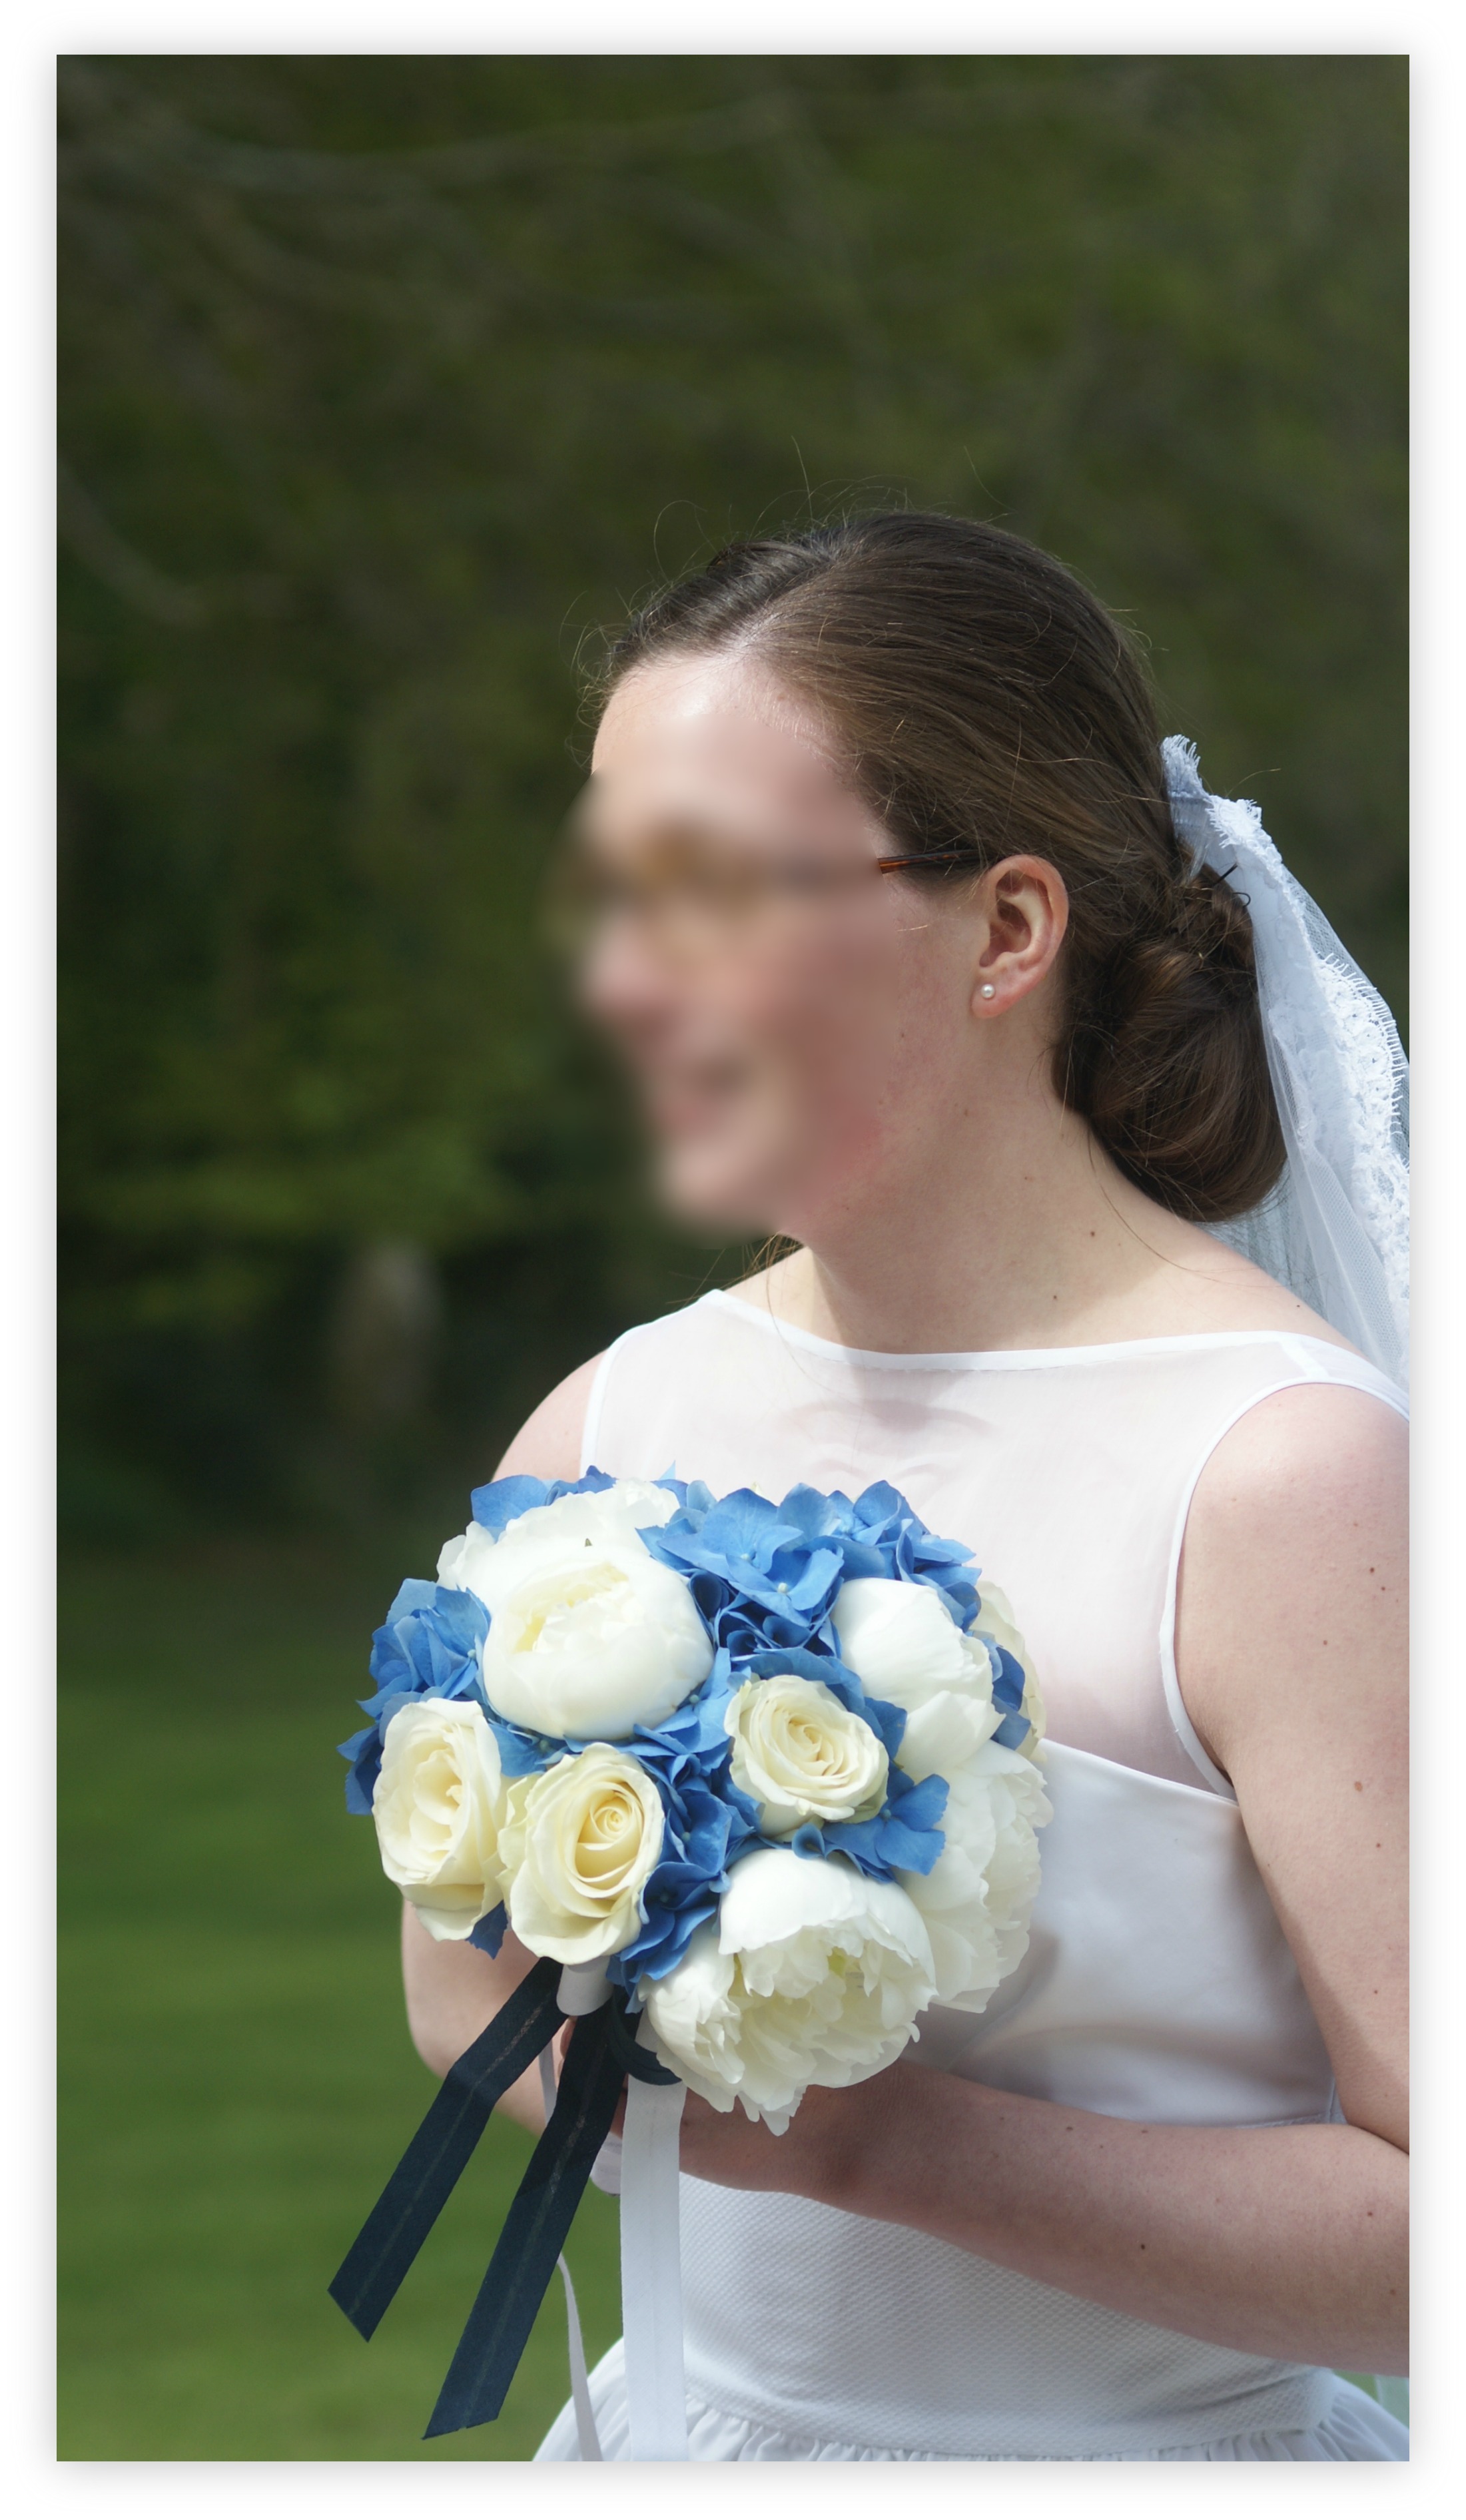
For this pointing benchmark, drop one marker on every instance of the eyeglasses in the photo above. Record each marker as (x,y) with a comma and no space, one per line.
(705,904)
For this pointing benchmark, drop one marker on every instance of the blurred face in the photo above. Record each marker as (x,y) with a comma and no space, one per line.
(796,1020)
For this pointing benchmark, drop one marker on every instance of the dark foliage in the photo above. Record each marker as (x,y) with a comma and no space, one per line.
(386,379)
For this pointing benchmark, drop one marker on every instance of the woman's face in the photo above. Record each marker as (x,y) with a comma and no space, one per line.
(797,1021)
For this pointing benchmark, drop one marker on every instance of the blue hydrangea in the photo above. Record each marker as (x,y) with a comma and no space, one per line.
(1007,1693)
(489,1932)
(495,1506)
(887,1538)
(427,1646)
(765,1574)
(708,1825)
(761,1574)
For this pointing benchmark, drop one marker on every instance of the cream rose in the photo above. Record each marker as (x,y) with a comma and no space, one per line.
(801,1755)
(811,1973)
(589,1634)
(440,1805)
(579,1843)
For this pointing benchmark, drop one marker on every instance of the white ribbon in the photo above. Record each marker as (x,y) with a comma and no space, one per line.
(651,2253)
(652,2271)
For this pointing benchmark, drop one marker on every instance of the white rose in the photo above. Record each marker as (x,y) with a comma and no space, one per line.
(811,1973)
(801,1755)
(579,1843)
(978,1898)
(905,1644)
(440,1805)
(590,1636)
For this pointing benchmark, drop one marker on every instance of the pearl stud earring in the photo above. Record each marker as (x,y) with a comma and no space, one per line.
(988,991)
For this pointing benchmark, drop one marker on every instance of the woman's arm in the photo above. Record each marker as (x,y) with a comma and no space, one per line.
(1286,2241)
(453,1991)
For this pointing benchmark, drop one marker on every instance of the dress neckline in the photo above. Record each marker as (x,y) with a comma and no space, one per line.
(1022,1358)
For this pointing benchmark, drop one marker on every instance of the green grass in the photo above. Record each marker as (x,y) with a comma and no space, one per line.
(236,2076)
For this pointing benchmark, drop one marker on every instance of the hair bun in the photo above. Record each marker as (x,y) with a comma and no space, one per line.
(1210,919)
(1170,1066)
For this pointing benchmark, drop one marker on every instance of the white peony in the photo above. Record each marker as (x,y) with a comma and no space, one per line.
(994,1623)
(439,1806)
(801,1755)
(811,1973)
(976,1899)
(905,1644)
(947,1733)
(579,1843)
(589,1635)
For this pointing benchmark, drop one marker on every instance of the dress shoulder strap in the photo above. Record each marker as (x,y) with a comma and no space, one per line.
(639,1375)
(595,1407)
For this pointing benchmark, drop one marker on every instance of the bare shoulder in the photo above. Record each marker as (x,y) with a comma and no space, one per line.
(548,1444)
(1296,1544)
(1308,1459)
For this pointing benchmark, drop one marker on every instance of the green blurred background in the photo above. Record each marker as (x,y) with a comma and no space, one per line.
(384,382)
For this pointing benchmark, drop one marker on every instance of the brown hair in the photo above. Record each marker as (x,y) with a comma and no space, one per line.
(989,706)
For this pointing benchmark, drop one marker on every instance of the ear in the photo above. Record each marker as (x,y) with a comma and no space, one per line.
(1022,908)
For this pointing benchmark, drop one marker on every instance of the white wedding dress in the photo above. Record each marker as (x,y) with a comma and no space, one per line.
(1157,1984)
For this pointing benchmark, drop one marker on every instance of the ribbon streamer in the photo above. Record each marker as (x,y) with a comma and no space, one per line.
(586,2415)
(652,2273)
(533,2233)
(601,2052)
(585,2420)
(435,2161)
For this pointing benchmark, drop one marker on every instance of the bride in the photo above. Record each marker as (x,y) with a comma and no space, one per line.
(926,960)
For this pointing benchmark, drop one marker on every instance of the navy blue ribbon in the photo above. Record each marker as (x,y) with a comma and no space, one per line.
(440,2151)
(602,2051)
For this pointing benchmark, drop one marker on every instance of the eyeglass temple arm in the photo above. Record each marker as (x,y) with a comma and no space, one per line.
(927,858)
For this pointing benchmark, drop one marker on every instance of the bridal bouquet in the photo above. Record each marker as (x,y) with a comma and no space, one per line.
(756,1783)
(770,1766)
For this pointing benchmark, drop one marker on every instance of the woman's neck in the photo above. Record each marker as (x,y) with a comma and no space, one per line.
(1043,1243)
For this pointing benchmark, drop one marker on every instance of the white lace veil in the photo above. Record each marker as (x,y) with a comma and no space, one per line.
(1337,1228)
